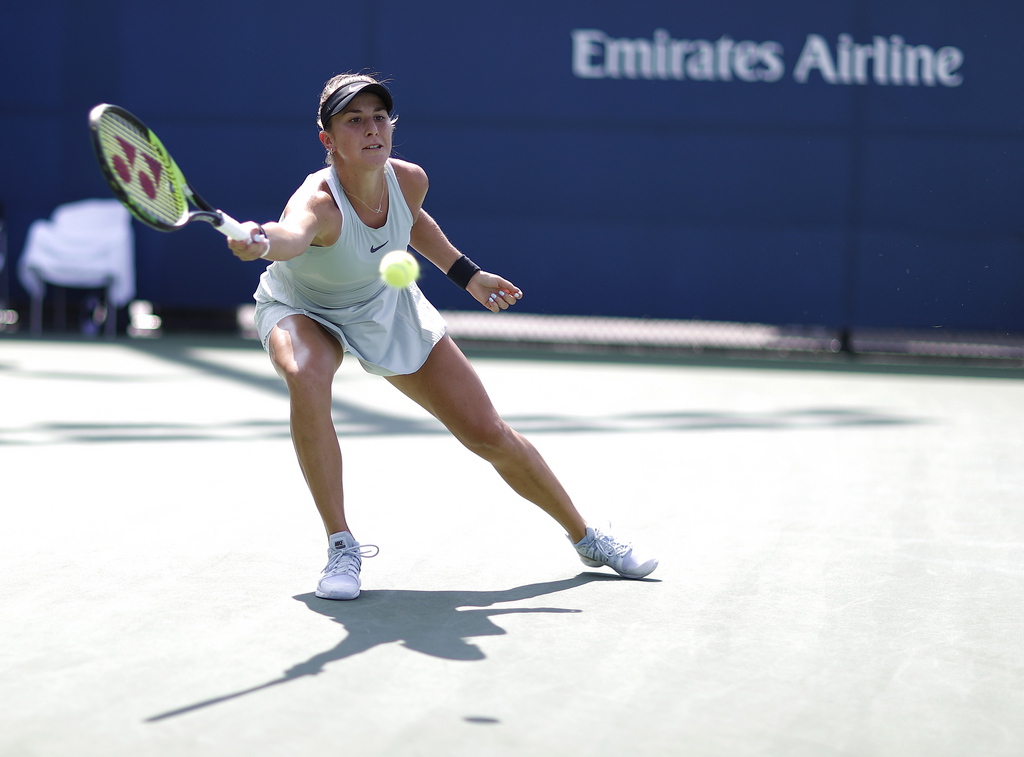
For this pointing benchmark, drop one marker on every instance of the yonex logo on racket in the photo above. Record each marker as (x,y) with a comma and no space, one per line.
(124,164)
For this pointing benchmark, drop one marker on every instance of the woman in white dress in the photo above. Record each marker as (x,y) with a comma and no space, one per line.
(322,296)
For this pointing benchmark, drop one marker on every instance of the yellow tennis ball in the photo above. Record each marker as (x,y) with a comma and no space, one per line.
(399,269)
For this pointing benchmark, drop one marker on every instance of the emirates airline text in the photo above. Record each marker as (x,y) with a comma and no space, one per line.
(890,61)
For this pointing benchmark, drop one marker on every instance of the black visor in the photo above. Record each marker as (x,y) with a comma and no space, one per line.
(342,96)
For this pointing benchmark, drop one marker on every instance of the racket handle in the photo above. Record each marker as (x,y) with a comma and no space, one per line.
(231,228)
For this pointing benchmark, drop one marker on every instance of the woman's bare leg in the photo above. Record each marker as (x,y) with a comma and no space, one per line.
(448,387)
(307,357)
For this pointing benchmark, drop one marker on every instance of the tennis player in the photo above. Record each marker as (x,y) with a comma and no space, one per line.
(322,296)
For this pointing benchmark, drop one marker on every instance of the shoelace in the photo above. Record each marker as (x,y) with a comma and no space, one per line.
(608,545)
(334,565)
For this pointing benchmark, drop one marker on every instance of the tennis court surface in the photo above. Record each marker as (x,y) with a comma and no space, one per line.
(842,562)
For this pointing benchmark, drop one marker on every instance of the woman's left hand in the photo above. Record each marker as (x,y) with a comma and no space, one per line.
(493,292)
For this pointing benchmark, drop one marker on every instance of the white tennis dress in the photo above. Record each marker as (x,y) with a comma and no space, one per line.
(390,331)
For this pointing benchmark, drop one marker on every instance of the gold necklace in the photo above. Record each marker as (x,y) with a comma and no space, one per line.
(380,204)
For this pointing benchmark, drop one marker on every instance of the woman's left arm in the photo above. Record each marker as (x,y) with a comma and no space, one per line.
(493,292)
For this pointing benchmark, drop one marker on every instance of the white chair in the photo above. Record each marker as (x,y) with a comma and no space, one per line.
(87,244)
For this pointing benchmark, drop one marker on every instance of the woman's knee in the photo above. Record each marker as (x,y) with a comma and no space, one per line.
(306,361)
(490,438)
(307,376)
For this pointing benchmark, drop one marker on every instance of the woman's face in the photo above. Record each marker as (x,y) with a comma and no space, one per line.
(360,134)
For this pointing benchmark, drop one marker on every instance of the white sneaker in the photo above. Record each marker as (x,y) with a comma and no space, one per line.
(340,579)
(598,549)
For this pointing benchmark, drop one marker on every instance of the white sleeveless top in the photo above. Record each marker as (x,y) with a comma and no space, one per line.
(348,271)
(390,331)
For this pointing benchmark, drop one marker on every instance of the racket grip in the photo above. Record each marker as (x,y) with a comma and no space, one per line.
(231,228)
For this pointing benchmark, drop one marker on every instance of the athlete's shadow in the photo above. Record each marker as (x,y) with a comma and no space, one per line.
(430,622)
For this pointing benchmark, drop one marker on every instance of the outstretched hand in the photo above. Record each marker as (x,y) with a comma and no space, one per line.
(256,247)
(493,292)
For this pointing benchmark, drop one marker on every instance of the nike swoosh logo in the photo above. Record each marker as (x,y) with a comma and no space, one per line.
(376,249)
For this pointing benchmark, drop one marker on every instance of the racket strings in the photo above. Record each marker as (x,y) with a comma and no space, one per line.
(142,170)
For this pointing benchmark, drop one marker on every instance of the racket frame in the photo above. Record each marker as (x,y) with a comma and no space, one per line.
(220,220)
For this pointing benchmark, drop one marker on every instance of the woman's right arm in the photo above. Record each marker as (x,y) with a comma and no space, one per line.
(309,218)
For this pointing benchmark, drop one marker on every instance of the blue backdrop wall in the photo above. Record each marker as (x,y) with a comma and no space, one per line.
(848,164)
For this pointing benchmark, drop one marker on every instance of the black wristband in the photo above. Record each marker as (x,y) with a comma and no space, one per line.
(462,271)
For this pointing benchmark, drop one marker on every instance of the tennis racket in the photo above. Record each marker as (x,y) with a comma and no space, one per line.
(145,177)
